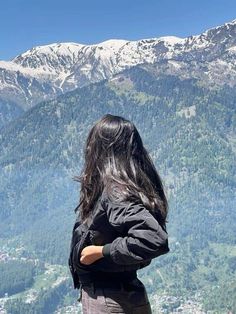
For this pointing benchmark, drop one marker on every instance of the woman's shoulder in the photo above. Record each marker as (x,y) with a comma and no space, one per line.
(113,200)
(116,196)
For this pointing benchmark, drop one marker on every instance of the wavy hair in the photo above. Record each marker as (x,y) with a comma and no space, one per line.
(117,161)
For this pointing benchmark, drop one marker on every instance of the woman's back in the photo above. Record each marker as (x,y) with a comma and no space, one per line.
(124,208)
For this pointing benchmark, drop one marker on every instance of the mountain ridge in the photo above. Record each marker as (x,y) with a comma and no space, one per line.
(44,72)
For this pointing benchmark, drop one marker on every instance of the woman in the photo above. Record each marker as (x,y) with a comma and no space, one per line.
(123,205)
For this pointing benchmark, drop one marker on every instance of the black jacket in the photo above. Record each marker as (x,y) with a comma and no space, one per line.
(131,236)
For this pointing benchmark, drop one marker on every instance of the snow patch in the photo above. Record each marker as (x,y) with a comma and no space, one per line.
(232,49)
(171,39)
(112,43)
(14,67)
(175,64)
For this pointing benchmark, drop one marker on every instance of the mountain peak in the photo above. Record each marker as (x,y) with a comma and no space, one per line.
(59,67)
(226,25)
(61,48)
(110,43)
(171,39)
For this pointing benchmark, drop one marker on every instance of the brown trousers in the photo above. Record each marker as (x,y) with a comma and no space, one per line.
(103,300)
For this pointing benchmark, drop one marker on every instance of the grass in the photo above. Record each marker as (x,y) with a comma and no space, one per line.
(224,249)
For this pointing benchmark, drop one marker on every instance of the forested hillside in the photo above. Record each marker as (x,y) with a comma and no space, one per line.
(189,131)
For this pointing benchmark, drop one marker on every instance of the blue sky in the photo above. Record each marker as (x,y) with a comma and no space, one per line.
(28,23)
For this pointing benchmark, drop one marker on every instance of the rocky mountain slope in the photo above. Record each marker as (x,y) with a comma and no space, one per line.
(44,72)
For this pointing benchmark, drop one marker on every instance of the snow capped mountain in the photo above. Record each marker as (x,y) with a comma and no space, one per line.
(44,72)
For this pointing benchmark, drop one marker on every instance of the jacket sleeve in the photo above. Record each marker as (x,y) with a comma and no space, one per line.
(144,237)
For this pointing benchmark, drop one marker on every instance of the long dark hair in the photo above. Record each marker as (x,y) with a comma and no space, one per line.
(117,161)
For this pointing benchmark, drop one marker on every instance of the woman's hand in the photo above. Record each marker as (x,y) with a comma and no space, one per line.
(90,254)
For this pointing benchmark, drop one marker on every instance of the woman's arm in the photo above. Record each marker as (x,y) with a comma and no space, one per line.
(145,238)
